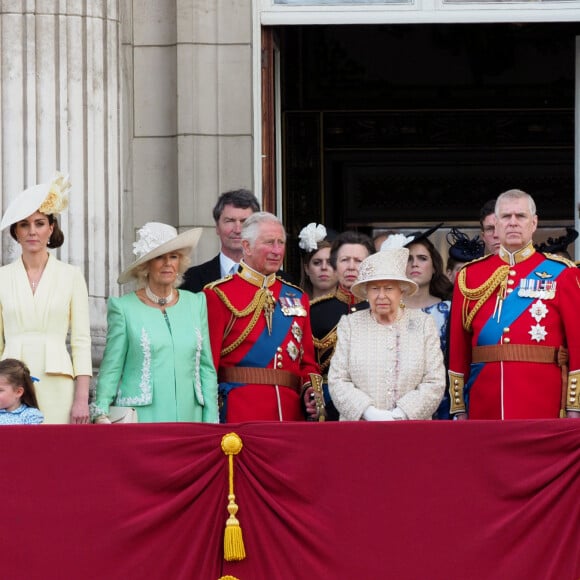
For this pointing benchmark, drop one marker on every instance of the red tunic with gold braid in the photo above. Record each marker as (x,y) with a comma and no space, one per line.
(501,302)
(255,322)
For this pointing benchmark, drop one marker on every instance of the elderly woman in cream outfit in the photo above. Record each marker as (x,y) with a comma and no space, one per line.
(388,363)
(41,300)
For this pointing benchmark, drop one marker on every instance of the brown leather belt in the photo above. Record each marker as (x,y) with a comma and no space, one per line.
(260,377)
(515,352)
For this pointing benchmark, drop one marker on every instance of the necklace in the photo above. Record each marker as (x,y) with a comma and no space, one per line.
(34,282)
(157,299)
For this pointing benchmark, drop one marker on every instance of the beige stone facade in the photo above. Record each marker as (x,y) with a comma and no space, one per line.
(146,104)
(153,107)
(188,101)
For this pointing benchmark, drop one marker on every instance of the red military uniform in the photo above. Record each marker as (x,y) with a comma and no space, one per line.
(260,322)
(510,314)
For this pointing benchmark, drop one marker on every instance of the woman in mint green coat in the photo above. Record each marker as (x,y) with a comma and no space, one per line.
(158,357)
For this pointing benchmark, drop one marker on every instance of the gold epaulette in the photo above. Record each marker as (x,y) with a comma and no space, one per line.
(211,285)
(486,257)
(561,259)
(322,298)
(280,279)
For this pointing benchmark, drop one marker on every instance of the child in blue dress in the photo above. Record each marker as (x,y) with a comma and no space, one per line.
(18,404)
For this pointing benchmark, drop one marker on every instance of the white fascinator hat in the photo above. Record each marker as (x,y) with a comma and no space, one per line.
(47,198)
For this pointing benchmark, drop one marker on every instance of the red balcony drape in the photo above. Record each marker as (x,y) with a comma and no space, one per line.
(405,500)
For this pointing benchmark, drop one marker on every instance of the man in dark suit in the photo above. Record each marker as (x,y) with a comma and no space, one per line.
(230,212)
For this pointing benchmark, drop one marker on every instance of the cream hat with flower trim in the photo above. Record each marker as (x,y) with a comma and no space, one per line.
(47,198)
(388,264)
(155,239)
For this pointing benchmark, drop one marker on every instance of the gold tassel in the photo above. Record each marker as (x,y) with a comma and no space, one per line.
(234,549)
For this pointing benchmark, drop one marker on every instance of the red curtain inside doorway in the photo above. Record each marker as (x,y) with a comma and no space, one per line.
(405,500)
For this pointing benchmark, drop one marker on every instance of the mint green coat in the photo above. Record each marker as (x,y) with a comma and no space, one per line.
(160,364)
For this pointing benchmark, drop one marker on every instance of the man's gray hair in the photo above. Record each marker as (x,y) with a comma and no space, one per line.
(251,227)
(516,194)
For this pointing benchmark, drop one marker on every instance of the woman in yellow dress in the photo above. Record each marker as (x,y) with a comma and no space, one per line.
(41,300)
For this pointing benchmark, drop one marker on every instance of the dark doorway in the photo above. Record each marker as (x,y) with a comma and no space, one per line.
(393,124)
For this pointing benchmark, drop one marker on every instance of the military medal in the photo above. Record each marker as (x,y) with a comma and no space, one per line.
(542,289)
(291,306)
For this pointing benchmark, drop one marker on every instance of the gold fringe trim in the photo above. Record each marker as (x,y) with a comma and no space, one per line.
(481,293)
(234,549)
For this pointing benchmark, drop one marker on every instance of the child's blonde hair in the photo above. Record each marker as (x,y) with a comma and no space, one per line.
(18,375)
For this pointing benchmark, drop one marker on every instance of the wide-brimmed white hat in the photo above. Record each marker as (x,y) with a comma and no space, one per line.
(48,198)
(388,264)
(155,239)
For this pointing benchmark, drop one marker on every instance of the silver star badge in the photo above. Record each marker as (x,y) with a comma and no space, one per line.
(538,333)
(538,310)
(292,350)
(297,332)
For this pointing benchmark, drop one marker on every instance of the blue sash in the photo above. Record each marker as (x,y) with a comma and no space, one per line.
(513,307)
(264,349)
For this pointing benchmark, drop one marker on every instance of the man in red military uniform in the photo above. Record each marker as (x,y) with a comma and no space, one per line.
(513,316)
(260,334)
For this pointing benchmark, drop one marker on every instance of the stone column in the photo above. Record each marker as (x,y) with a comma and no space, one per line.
(214,109)
(60,109)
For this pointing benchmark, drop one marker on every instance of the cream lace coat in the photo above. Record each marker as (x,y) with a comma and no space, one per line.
(399,365)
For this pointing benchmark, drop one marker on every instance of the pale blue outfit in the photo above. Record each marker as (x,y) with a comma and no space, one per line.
(161,364)
(23,415)
(440,311)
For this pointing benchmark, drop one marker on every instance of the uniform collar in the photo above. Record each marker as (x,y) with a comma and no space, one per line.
(518,256)
(255,278)
(346,296)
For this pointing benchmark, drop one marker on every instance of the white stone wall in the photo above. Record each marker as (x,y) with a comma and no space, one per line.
(147,104)
(188,67)
(60,109)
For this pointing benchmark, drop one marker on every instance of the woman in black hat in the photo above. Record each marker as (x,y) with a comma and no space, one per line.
(462,250)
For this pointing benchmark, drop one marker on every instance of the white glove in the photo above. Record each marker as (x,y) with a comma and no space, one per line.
(398,414)
(373,414)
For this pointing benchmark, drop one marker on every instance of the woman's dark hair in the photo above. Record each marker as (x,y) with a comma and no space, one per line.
(350,237)
(305,282)
(18,375)
(440,284)
(452,262)
(56,240)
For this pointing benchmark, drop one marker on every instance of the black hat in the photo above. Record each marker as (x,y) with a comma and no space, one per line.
(418,236)
(462,248)
(553,245)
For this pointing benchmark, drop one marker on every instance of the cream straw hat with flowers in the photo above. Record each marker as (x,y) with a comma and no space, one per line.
(390,263)
(155,239)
